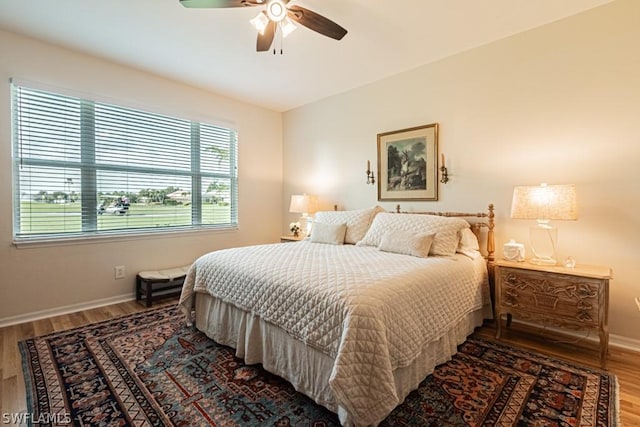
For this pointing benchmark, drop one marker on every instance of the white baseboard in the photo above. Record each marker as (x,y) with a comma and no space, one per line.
(624,342)
(57,311)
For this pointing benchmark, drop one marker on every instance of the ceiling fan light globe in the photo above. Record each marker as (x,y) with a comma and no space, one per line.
(260,22)
(276,10)
(287,26)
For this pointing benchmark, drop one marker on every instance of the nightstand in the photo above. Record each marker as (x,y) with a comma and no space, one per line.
(291,238)
(572,298)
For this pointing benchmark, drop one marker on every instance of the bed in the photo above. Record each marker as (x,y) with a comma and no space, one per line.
(357,315)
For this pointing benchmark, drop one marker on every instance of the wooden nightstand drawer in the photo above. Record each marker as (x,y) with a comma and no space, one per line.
(570,299)
(573,298)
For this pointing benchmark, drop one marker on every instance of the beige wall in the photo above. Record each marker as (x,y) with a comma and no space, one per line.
(557,104)
(36,280)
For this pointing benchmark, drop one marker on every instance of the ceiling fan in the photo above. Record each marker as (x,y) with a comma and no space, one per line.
(277,14)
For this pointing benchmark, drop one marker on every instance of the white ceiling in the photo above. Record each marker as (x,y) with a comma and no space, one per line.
(214,49)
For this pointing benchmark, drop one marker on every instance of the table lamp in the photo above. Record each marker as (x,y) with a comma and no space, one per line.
(305,205)
(544,203)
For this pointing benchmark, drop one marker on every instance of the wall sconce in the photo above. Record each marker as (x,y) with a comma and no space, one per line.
(371,179)
(444,174)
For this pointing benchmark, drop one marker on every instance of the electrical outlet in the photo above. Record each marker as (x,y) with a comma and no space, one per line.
(118,272)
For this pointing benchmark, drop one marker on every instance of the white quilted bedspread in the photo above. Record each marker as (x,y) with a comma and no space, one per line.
(371,311)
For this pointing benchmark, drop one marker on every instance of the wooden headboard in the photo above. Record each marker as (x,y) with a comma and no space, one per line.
(478,221)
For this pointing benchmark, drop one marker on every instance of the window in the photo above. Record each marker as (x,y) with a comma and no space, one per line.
(84,168)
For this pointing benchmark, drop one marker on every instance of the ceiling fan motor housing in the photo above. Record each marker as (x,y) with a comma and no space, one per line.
(276,10)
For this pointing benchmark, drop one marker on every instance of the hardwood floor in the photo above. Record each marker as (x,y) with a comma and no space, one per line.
(623,363)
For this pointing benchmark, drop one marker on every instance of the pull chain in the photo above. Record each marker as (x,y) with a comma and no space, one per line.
(276,40)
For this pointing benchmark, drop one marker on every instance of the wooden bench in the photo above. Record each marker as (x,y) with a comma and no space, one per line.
(158,284)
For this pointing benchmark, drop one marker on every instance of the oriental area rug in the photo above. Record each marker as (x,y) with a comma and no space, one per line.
(150,369)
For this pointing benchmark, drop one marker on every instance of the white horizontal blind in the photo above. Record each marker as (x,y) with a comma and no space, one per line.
(85,168)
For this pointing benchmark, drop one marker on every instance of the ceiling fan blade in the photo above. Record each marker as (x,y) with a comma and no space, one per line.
(316,22)
(218,3)
(265,40)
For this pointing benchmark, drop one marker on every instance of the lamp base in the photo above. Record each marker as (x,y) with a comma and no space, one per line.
(543,244)
(543,261)
(306,223)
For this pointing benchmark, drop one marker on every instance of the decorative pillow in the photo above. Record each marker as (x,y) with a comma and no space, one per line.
(445,241)
(468,240)
(358,221)
(328,233)
(468,244)
(407,243)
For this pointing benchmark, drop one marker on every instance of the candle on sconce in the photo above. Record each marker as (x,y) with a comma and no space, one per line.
(370,178)
(443,170)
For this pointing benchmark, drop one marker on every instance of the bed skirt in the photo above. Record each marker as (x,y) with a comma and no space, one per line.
(306,368)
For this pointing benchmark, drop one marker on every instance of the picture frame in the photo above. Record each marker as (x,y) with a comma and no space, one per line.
(408,164)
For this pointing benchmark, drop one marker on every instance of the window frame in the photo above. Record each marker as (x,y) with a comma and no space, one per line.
(90,232)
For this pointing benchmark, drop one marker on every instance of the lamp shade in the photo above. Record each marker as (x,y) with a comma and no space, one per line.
(544,202)
(303,204)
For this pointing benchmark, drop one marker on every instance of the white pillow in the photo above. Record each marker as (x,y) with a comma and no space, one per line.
(328,233)
(468,244)
(407,243)
(357,221)
(445,241)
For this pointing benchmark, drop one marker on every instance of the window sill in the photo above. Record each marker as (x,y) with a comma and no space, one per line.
(44,242)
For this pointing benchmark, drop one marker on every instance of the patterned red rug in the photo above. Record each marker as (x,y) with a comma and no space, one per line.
(150,369)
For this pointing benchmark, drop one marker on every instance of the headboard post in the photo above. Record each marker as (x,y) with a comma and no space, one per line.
(491,243)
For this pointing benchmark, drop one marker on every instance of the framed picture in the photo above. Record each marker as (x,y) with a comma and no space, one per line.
(407,164)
